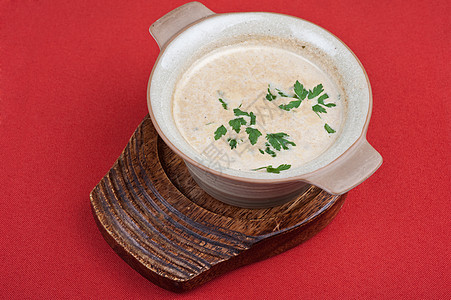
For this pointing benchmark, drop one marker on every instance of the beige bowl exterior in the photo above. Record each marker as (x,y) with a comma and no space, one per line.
(351,167)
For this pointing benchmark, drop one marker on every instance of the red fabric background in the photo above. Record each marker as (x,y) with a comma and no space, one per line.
(73,77)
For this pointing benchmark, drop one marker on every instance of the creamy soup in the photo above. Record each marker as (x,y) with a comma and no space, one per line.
(293,109)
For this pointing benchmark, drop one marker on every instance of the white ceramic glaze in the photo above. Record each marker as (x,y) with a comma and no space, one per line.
(191,31)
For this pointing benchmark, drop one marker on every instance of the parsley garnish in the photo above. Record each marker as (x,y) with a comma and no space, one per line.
(324,97)
(238,112)
(275,141)
(224,105)
(292,104)
(318,109)
(271,169)
(328,128)
(253,118)
(278,140)
(300,94)
(220,132)
(236,124)
(316,91)
(300,91)
(269,151)
(254,134)
(232,143)
(282,94)
(269,95)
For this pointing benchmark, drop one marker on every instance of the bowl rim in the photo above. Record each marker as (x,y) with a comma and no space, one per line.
(302,177)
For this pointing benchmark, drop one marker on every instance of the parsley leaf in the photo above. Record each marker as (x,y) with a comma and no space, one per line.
(324,97)
(292,104)
(271,169)
(316,91)
(328,128)
(318,109)
(224,105)
(238,112)
(282,94)
(278,140)
(253,118)
(253,134)
(236,124)
(300,91)
(270,152)
(269,95)
(232,143)
(220,132)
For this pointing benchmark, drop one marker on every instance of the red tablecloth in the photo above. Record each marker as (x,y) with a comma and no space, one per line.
(73,78)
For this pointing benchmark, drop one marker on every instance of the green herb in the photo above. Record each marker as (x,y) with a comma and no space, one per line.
(271,169)
(236,124)
(269,95)
(232,143)
(282,94)
(269,151)
(278,140)
(224,105)
(300,91)
(292,104)
(238,112)
(328,128)
(275,141)
(324,97)
(253,118)
(254,134)
(317,90)
(318,109)
(220,132)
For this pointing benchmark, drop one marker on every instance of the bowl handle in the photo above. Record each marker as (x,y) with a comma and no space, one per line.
(349,170)
(176,20)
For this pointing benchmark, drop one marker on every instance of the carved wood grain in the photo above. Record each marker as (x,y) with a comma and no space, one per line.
(153,214)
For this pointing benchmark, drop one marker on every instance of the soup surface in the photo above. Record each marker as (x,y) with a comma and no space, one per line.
(251,105)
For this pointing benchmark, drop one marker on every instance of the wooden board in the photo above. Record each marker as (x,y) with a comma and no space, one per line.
(153,214)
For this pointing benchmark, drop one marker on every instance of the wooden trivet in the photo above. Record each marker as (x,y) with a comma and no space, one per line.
(153,214)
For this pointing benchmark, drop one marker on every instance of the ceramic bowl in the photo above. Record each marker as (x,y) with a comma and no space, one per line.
(189,31)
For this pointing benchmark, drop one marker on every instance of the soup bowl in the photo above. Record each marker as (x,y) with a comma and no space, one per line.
(192,31)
